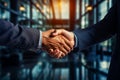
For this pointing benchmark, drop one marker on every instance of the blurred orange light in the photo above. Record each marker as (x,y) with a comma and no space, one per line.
(89,8)
(37,5)
(22,8)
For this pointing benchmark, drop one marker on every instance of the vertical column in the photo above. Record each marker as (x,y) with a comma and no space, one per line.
(72,63)
(14,6)
(91,51)
(80,67)
(72,14)
(90,14)
(30,13)
(80,11)
(30,74)
(72,66)
(97,67)
(97,13)
(53,12)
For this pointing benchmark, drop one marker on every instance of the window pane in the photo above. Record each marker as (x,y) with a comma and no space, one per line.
(102,9)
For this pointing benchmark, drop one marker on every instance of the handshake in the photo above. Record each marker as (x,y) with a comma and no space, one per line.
(57,42)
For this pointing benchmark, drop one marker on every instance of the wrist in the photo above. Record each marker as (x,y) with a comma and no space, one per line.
(73,38)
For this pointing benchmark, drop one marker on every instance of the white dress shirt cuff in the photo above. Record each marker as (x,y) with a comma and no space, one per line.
(76,41)
(40,40)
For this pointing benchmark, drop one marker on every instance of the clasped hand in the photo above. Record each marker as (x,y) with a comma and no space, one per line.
(58,43)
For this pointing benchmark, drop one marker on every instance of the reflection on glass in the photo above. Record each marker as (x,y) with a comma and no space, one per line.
(61,9)
(77,9)
(65,9)
(102,9)
(4,14)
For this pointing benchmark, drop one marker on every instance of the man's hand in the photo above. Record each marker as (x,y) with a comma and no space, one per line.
(68,35)
(56,46)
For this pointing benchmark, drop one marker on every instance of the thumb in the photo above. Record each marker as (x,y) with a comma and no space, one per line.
(57,32)
(68,35)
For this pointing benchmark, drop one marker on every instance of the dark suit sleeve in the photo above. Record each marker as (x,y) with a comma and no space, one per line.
(101,31)
(18,36)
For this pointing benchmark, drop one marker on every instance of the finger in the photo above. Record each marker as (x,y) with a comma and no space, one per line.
(67,34)
(57,32)
(66,47)
(50,47)
(58,55)
(54,53)
(61,48)
(67,44)
(62,54)
(51,35)
(63,43)
(51,30)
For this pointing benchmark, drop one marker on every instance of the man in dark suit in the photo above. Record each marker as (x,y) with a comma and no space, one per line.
(99,32)
(27,38)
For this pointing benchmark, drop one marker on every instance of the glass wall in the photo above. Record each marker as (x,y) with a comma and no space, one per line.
(98,56)
(24,64)
(4,14)
(89,64)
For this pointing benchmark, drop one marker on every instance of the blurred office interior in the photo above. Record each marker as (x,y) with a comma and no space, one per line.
(89,64)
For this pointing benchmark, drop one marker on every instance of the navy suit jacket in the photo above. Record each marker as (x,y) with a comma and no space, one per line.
(101,31)
(17,36)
